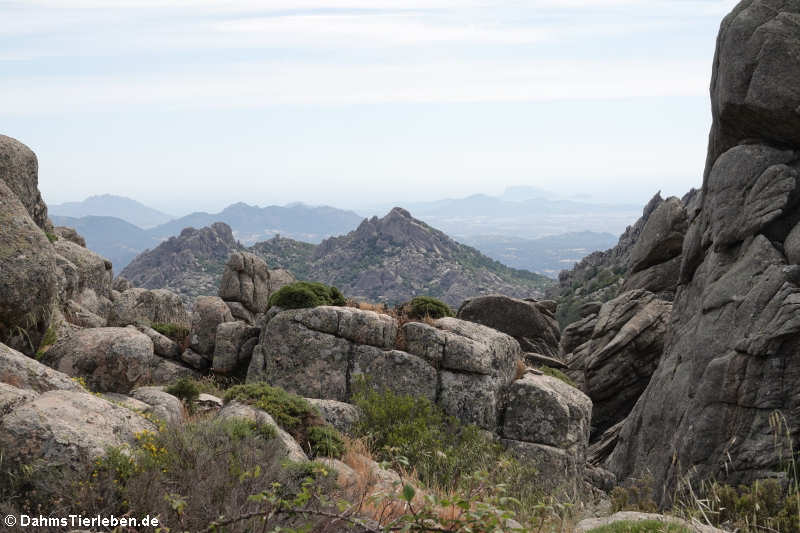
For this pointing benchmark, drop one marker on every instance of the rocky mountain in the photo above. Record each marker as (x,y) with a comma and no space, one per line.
(397,257)
(389,260)
(190,264)
(109,205)
(251,224)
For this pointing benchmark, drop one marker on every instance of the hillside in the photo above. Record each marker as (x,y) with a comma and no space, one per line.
(109,205)
(190,264)
(389,260)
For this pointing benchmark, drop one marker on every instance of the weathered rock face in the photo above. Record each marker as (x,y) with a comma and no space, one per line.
(546,421)
(66,428)
(319,353)
(146,307)
(28,277)
(754,83)
(208,313)
(530,323)
(110,359)
(163,406)
(246,280)
(342,416)
(19,170)
(615,364)
(71,235)
(25,373)
(84,284)
(233,347)
(732,352)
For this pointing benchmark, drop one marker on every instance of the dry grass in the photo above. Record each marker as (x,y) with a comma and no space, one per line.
(520,369)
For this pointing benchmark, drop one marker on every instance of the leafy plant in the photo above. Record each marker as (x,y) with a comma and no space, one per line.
(558,374)
(325,441)
(186,390)
(304,294)
(425,306)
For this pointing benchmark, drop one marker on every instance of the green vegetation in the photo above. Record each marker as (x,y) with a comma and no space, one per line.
(423,306)
(558,374)
(175,332)
(305,294)
(443,451)
(642,526)
(294,414)
(186,389)
(50,337)
(52,237)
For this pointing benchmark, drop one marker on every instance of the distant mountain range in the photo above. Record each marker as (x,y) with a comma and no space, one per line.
(390,260)
(526,228)
(109,205)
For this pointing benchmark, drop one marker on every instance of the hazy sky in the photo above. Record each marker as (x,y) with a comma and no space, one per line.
(195,104)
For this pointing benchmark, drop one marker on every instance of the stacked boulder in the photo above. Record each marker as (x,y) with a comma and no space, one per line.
(470,370)
(532,323)
(245,289)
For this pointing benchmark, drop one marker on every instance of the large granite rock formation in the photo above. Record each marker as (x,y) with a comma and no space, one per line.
(614,365)
(19,170)
(28,276)
(732,351)
(147,307)
(247,284)
(531,323)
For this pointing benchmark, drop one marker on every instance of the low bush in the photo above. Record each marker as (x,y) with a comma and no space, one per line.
(304,294)
(185,389)
(292,413)
(425,306)
(175,332)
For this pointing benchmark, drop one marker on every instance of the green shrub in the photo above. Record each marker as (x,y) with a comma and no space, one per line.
(643,526)
(290,411)
(52,237)
(440,448)
(176,332)
(325,441)
(558,374)
(423,306)
(185,389)
(304,294)
(242,428)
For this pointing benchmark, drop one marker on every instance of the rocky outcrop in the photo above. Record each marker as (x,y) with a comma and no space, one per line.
(163,406)
(70,235)
(109,359)
(144,307)
(343,416)
(46,416)
(731,352)
(208,313)
(546,422)
(66,429)
(614,365)
(233,347)
(247,284)
(28,277)
(84,284)
(19,170)
(532,324)
(190,264)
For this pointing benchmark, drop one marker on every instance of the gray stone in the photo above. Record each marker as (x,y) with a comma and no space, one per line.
(791,245)
(545,410)
(424,341)
(167,372)
(110,359)
(28,277)
(399,372)
(662,236)
(162,345)
(19,170)
(147,307)
(342,416)
(162,405)
(472,398)
(615,365)
(588,524)
(531,323)
(232,349)
(67,429)
(194,359)
(246,280)
(208,313)
(71,235)
(557,471)
(479,349)
(93,272)
(121,284)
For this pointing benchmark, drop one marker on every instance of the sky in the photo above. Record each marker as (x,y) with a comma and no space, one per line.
(195,104)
